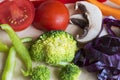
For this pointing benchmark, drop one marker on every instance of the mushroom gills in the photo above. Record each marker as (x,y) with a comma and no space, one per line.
(79,22)
(90,22)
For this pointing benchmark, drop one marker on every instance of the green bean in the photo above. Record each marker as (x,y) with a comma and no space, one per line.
(19,47)
(9,65)
(26,39)
(3,47)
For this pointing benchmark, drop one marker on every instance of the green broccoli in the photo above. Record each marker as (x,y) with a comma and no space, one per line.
(54,47)
(69,72)
(40,73)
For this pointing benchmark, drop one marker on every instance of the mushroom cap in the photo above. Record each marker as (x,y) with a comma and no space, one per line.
(94,17)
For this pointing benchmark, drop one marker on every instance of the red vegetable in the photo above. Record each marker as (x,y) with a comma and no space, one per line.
(102,0)
(36,3)
(68,1)
(51,15)
(17,13)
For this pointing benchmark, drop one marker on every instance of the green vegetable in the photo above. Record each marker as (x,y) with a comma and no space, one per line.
(40,73)
(54,47)
(9,65)
(8,69)
(19,47)
(3,47)
(26,39)
(69,72)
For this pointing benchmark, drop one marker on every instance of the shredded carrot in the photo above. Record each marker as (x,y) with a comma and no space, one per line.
(116,1)
(107,10)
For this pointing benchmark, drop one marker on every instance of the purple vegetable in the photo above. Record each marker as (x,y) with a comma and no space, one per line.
(102,55)
(110,21)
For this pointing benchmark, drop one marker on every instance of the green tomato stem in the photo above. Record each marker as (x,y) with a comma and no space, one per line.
(19,47)
(9,65)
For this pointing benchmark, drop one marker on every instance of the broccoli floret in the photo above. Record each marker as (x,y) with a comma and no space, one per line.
(69,72)
(54,47)
(40,73)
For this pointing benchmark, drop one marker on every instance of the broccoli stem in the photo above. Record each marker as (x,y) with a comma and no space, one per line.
(3,47)
(9,65)
(20,48)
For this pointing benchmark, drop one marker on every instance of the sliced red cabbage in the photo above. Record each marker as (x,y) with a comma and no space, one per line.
(102,54)
(111,21)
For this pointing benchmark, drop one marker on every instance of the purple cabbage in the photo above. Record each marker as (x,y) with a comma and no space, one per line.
(110,21)
(102,54)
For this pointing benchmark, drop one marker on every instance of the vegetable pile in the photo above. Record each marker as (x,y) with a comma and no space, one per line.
(57,48)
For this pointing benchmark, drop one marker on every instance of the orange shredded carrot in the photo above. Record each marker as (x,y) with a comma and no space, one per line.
(116,1)
(107,10)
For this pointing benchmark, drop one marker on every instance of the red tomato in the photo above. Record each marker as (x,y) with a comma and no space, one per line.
(102,0)
(37,2)
(51,15)
(17,13)
(68,1)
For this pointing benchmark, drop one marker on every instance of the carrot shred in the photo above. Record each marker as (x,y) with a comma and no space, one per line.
(116,1)
(107,10)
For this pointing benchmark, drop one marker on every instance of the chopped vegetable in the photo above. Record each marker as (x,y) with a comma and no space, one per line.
(17,13)
(54,48)
(110,21)
(51,15)
(37,3)
(102,55)
(69,72)
(9,65)
(107,10)
(40,73)
(26,39)
(102,0)
(68,1)
(8,69)
(19,47)
(93,26)
(116,1)
(3,47)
